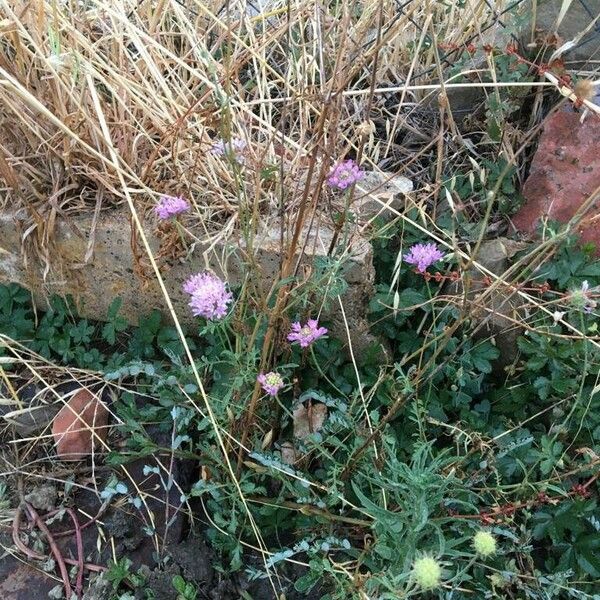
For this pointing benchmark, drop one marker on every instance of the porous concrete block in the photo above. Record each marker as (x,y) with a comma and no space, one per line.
(113,268)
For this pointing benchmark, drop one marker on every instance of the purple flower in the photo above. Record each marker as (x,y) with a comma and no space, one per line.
(209,296)
(423,256)
(271,382)
(344,174)
(169,206)
(233,148)
(305,335)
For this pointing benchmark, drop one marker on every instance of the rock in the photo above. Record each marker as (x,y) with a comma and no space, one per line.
(100,588)
(43,497)
(19,581)
(493,314)
(160,581)
(564,173)
(80,426)
(191,559)
(145,478)
(288,453)
(30,421)
(195,559)
(95,284)
(377,191)
(34,407)
(544,34)
(30,412)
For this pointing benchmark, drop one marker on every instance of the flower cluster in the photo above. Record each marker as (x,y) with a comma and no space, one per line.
(344,174)
(233,149)
(423,256)
(169,206)
(209,296)
(306,334)
(582,298)
(271,382)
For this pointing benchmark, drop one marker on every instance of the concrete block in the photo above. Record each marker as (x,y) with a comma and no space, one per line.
(111,270)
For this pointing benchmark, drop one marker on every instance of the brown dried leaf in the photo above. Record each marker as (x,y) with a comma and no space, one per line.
(288,453)
(309,420)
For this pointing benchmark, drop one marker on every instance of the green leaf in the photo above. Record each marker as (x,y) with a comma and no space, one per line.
(114,308)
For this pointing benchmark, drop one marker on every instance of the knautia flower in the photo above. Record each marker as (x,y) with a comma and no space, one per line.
(233,148)
(209,296)
(344,174)
(169,206)
(423,256)
(582,298)
(427,572)
(484,543)
(271,382)
(305,335)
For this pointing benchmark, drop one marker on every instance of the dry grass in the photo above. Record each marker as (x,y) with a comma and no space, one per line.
(170,79)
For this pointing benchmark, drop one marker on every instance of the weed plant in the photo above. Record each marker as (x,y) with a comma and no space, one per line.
(434,461)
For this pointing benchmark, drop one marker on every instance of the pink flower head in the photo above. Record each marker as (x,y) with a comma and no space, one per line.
(423,256)
(233,148)
(271,382)
(344,174)
(169,206)
(209,295)
(305,335)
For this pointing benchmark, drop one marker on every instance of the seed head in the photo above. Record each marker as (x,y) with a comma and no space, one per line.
(484,543)
(582,298)
(427,572)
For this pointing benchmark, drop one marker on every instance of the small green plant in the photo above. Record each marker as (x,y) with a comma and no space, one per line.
(184,589)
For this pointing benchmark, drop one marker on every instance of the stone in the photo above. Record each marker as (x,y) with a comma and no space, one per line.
(19,581)
(34,407)
(26,407)
(43,497)
(493,314)
(564,173)
(30,421)
(100,588)
(543,34)
(145,478)
(378,192)
(114,269)
(80,426)
(309,419)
